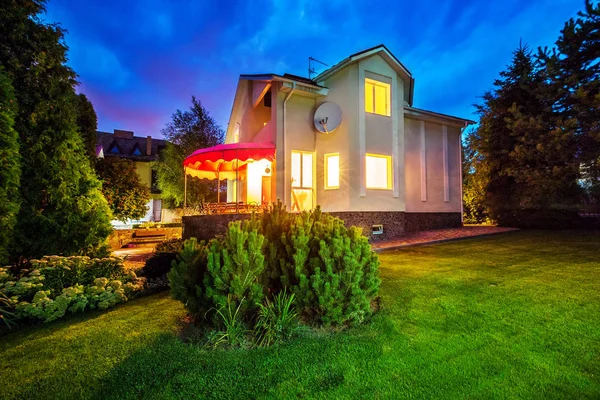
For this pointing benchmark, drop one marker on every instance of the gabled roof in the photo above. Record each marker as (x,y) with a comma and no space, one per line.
(385,53)
(126,146)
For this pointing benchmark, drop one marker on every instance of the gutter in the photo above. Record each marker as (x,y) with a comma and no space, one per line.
(285,189)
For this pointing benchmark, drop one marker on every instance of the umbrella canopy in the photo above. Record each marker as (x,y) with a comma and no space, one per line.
(222,161)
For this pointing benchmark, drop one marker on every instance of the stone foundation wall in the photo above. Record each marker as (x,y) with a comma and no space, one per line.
(428,221)
(393,222)
(121,237)
(206,227)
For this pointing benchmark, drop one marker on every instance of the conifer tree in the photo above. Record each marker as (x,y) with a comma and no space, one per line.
(527,154)
(575,72)
(62,210)
(10,167)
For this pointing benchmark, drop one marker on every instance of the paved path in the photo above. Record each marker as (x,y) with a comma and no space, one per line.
(439,235)
(135,257)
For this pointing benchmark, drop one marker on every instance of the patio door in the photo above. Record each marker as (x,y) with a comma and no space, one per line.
(302,181)
(266,190)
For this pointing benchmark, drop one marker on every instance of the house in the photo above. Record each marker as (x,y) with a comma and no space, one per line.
(142,151)
(349,140)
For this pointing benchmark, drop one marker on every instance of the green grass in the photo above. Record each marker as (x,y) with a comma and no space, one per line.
(509,316)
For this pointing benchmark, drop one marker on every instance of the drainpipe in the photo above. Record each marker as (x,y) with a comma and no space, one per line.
(460,149)
(285,188)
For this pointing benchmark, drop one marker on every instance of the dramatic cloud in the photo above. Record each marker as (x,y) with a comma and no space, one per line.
(139,61)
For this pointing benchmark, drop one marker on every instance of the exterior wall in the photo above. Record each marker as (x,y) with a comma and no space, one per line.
(300,136)
(393,223)
(361,133)
(415,222)
(433,184)
(344,93)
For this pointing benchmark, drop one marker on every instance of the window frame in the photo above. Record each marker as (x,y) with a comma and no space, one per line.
(326,169)
(388,97)
(312,168)
(390,179)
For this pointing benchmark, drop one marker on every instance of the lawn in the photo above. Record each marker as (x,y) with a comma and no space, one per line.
(510,316)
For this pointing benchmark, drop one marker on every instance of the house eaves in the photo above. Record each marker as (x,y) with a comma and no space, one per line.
(426,115)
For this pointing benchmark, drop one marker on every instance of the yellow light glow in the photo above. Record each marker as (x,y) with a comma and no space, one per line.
(332,171)
(378,171)
(255,172)
(368,97)
(377,97)
(302,199)
(296,169)
(307,170)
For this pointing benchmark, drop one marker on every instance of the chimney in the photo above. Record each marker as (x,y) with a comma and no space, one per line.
(123,134)
(149,146)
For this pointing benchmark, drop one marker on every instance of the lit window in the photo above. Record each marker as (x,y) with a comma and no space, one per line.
(379,171)
(302,181)
(377,97)
(332,171)
(302,169)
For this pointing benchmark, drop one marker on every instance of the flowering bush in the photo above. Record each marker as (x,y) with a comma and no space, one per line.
(60,285)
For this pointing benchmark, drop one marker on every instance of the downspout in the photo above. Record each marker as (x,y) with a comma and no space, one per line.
(460,149)
(285,188)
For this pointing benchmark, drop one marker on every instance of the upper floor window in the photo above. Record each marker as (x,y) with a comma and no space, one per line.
(377,97)
(378,171)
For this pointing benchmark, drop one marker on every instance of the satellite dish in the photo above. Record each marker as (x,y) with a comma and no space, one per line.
(328,117)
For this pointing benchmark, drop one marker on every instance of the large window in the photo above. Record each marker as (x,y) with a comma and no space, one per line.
(302,181)
(379,171)
(377,97)
(332,171)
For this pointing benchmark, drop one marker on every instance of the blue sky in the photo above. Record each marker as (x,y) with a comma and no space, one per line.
(139,61)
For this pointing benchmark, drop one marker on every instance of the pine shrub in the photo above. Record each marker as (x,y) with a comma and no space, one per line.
(235,266)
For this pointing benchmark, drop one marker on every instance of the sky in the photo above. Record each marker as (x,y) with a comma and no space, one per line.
(140,61)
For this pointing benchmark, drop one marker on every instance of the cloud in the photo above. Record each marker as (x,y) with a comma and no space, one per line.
(139,61)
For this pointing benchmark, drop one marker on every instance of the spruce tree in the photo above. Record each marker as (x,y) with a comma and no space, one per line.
(10,168)
(62,210)
(527,154)
(575,71)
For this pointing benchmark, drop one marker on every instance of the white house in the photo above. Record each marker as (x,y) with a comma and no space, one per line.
(386,166)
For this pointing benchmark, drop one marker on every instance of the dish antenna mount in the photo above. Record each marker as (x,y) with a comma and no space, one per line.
(328,117)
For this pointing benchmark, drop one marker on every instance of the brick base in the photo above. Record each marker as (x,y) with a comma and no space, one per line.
(395,223)
(416,222)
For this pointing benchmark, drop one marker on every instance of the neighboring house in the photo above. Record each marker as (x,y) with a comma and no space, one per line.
(142,151)
(387,166)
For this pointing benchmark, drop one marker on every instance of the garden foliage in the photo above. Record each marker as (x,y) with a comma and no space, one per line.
(10,167)
(59,285)
(328,270)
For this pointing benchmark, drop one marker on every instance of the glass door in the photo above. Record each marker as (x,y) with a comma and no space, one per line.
(302,181)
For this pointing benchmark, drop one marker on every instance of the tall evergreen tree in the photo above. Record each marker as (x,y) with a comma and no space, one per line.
(62,210)
(574,66)
(187,132)
(527,154)
(10,167)
(87,124)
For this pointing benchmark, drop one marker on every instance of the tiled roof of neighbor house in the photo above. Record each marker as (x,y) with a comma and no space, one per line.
(125,145)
